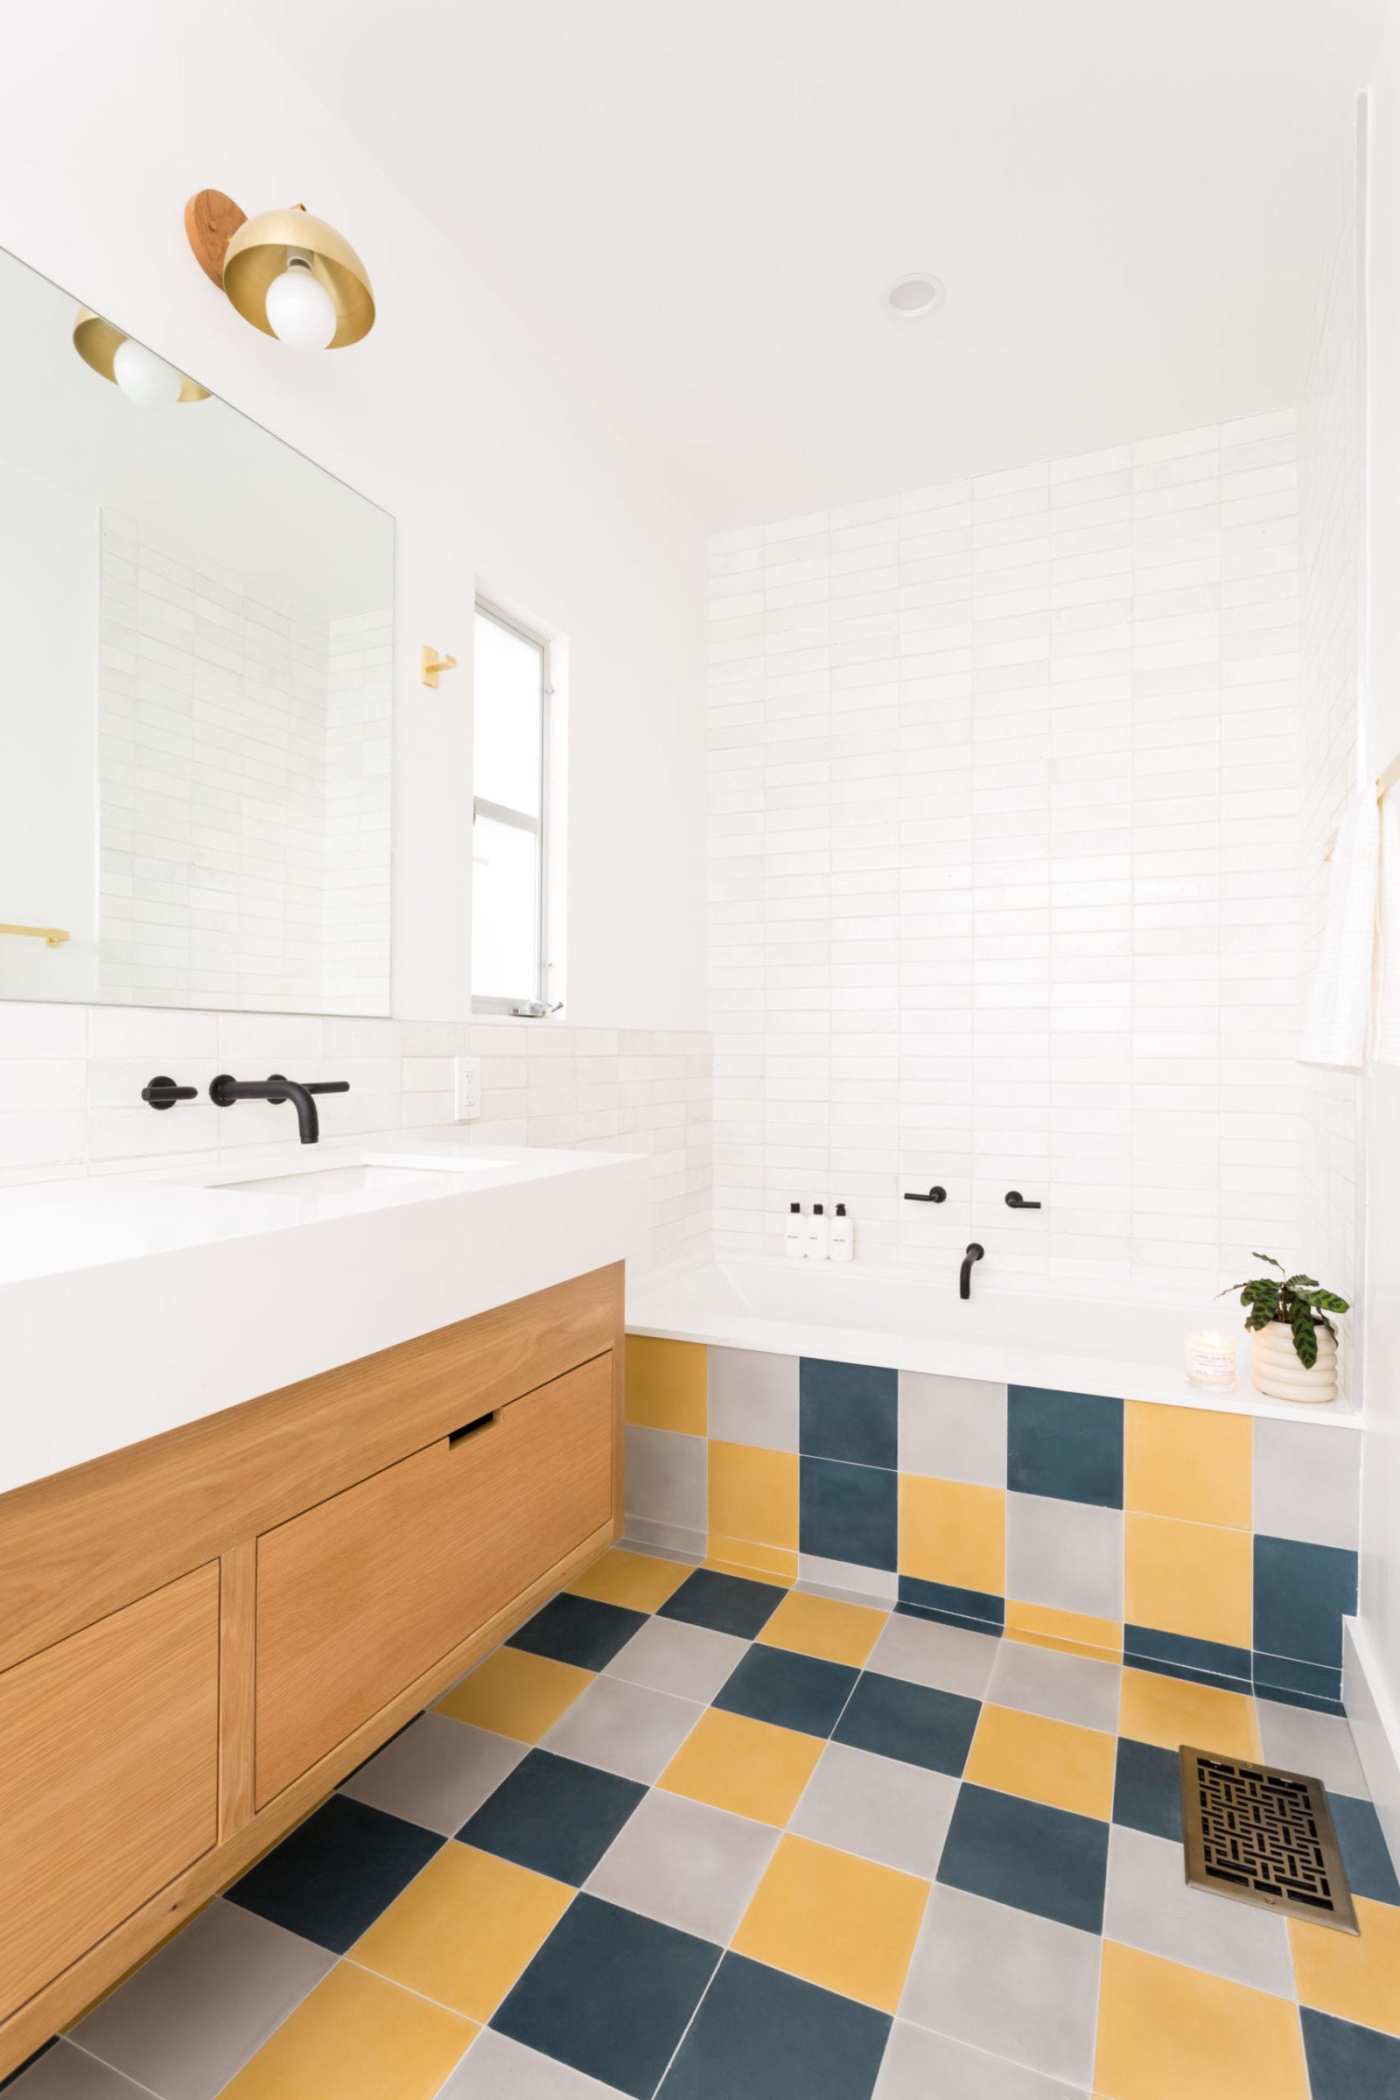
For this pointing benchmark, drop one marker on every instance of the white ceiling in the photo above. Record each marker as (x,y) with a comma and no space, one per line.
(700,203)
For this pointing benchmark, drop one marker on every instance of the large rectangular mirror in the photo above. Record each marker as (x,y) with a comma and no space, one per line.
(196,690)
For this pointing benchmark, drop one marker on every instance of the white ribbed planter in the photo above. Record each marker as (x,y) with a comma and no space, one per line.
(1278,1375)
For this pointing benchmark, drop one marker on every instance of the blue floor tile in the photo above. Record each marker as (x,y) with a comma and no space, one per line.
(610,1993)
(761,2035)
(850,1513)
(1349,2063)
(1177,1655)
(1068,1445)
(849,1411)
(578,1630)
(1023,1853)
(337,1871)
(554,1815)
(1370,1869)
(1147,1789)
(724,1603)
(982,1610)
(911,1722)
(792,1691)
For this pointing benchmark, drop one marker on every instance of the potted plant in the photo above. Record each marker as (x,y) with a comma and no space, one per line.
(1295,1343)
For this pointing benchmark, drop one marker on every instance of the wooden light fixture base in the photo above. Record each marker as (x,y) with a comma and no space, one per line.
(211,221)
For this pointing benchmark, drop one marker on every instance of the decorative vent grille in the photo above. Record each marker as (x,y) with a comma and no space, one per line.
(1263,1836)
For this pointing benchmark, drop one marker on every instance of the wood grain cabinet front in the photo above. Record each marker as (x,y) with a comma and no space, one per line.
(109,1774)
(360,1595)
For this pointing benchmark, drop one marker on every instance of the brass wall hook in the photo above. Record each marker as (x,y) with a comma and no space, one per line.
(434,665)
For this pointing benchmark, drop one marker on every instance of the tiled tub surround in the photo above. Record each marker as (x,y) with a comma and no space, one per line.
(699,1837)
(71,1080)
(1212,1547)
(1005,860)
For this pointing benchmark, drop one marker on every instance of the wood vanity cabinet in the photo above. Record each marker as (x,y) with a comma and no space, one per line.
(201,1635)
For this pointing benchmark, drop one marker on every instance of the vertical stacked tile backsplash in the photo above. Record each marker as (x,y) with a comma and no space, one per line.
(1005,860)
(71,1079)
(244,789)
(1331,488)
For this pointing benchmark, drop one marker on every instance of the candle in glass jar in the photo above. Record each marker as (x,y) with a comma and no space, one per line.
(1210,1358)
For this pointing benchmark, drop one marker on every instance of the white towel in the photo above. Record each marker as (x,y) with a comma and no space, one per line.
(1337,1028)
(1386,1041)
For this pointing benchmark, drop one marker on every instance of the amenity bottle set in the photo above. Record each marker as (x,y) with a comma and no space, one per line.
(819,1238)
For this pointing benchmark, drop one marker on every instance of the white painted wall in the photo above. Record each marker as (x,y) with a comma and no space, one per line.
(451,417)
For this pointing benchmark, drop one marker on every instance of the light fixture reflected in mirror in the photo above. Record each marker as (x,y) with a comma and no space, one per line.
(144,378)
(287,272)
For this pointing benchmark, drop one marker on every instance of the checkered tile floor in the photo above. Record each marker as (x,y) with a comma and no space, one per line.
(703,1838)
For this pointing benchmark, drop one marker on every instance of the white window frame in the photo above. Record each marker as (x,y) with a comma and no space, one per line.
(531,1002)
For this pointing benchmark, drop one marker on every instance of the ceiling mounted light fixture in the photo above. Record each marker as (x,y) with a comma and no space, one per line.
(145,379)
(910,298)
(290,274)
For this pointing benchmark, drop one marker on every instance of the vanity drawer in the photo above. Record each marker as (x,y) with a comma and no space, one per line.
(109,1771)
(359,1596)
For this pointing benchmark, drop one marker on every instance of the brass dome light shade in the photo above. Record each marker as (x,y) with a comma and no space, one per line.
(246,256)
(97,343)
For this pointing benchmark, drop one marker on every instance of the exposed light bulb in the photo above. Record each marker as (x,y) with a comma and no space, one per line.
(300,311)
(145,378)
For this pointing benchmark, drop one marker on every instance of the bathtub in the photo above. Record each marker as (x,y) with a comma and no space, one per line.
(859,1315)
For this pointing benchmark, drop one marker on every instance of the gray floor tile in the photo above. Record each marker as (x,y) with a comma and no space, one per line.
(1061,1687)
(66,2073)
(847,1580)
(1149,1905)
(920,2066)
(878,1807)
(668,1656)
(686,1865)
(495,2068)
(1007,1981)
(437,1773)
(197,2011)
(924,1651)
(1320,1745)
(626,1728)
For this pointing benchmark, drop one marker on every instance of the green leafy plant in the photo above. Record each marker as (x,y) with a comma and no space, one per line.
(1299,1301)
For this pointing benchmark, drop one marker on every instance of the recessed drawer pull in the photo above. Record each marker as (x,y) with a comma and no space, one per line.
(468,1429)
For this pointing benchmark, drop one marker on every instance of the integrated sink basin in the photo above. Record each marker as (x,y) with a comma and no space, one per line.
(358,1181)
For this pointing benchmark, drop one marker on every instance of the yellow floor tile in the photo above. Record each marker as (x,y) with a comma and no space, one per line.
(1355,1979)
(356,2038)
(952,1532)
(747,1766)
(1169,1712)
(667,1384)
(1071,1632)
(838,1921)
(1051,1761)
(636,1581)
(1169,2033)
(822,1626)
(1191,1579)
(464,1930)
(515,1694)
(1187,1462)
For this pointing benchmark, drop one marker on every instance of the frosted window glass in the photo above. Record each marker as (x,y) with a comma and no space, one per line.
(505,911)
(508,689)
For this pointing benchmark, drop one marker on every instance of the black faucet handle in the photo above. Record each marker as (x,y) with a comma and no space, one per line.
(935,1195)
(1016,1201)
(162,1092)
(326,1086)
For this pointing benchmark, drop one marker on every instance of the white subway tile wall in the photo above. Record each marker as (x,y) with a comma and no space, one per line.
(244,789)
(1005,866)
(1331,485)
(71,1079)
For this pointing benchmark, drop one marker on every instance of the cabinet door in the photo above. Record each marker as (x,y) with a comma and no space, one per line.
(362,1594)
(109,1767)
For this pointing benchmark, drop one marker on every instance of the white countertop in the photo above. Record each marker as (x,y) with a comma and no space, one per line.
(130,1305)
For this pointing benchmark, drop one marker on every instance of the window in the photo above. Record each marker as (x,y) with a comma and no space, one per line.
(510,748)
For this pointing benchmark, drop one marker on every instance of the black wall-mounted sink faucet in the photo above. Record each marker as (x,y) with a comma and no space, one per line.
(974,1253)
(225,1090)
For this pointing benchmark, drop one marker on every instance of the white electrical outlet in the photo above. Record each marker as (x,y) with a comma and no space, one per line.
(466,1089)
